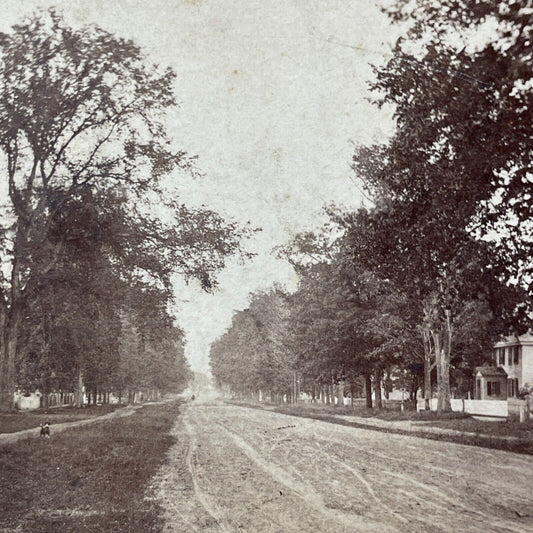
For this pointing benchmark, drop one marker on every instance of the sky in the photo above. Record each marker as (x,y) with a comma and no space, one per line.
(273,98)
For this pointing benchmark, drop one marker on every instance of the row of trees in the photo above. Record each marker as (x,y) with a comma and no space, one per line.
(88,320)
(422,282)
(91,234)
(352,322)
(252,355)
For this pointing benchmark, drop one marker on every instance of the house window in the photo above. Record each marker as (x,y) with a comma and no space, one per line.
(512,387)
(500,352)
(516,354)
(493,388)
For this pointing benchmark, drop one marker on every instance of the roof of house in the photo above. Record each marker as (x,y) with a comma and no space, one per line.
(491,372)
(526,338)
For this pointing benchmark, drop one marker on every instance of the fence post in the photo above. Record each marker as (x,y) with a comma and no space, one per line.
(523,413)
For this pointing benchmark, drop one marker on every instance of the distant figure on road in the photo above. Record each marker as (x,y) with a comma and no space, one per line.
(193,397)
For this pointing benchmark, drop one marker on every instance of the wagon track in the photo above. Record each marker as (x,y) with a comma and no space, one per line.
(260,471)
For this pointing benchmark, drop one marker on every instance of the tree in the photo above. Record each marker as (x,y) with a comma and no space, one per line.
(82,113)
(434,283)
(346,320)
(270,312)
(234,356)
(374,301)
(151,344)
(71,313)
(465,108)
(83,299)
(458,166)
(253,354)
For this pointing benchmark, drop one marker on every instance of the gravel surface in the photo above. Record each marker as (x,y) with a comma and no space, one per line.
(239,469)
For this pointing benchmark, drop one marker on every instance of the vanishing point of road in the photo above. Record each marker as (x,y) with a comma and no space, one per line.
(238,469)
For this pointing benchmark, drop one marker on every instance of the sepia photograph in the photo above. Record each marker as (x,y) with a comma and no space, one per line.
(266,266)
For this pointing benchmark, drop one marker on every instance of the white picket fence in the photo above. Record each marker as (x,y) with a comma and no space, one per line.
(486,408)
(30,401)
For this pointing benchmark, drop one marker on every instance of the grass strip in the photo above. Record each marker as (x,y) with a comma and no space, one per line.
(387,414)
(22,420)
(87,479)
(519,444)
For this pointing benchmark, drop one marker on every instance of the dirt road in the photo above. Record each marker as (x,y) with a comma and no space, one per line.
(240,469)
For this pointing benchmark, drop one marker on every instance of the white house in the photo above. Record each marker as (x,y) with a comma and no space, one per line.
(515,355)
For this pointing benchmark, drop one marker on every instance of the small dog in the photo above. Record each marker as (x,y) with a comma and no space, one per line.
(45,430)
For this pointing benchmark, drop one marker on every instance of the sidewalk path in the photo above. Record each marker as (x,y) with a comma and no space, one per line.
(410,426)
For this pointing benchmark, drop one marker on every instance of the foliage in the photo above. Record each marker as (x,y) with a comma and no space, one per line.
(458,166)
(85,154)
(357,312)
(440,265)
(252,355)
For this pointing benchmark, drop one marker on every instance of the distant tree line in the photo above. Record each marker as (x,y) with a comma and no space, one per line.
(417,286)
(91,233)
(252,355)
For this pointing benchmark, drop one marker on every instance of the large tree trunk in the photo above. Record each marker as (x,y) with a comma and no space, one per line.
(427,369)
(443,368)
(377,387)
(8,352)
(12,316)
(340,393)
(415,384)
(443,375)
(4,388)
(368,390)
(78,395)
(7,379)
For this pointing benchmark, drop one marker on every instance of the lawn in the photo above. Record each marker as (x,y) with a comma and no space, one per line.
(21,420)
(92,478)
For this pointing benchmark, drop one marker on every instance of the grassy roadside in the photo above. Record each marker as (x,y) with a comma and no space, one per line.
(487,434)
(391,415)
(509,428)
(86,479)
(19,421)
